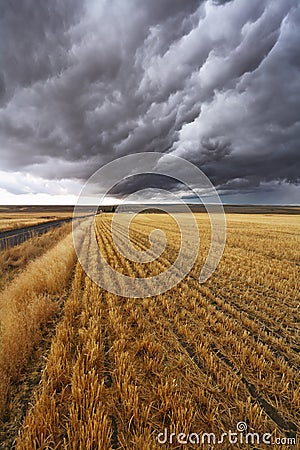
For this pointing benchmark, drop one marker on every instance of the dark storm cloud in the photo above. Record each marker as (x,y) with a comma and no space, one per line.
(34,41)
(221,2)
(214,81)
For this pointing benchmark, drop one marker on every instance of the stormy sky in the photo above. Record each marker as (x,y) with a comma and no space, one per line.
(83,82)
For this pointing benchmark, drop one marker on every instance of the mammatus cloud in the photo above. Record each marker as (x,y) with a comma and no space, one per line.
(216,82)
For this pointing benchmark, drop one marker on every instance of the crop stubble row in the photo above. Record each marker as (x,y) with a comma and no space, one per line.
(120,370)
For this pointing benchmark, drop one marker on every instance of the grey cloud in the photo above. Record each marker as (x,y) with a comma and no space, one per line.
(84,82)
(221,2)
(33,40)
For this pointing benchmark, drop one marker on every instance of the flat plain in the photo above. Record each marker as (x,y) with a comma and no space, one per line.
(82,368)
(14,217)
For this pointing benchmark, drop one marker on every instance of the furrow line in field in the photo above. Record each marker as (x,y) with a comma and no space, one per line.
(264,335)
(213,373)
(198,365)
(288,427)
(237,325)
(220,302)
(285,425)
(262,360)
(166,329)
(110,380)
(139,243)
(239,287)
(240,261)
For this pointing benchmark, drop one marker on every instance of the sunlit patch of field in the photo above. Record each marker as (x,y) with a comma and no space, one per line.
(198,358)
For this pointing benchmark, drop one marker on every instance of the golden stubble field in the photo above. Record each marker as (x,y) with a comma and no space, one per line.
(197,359)
(15,217)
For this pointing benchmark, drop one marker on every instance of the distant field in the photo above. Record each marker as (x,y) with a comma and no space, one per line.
(199,358)
(20,221)
(12,217)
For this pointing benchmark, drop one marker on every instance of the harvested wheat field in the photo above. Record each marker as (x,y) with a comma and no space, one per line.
(190,368)
(15,217)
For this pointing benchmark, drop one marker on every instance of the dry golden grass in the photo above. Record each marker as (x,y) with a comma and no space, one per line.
(13,220)
(14,259)
(25,307)
(197,358)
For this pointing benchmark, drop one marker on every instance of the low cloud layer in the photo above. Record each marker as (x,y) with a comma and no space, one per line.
(216,82)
